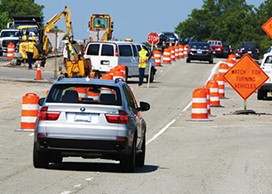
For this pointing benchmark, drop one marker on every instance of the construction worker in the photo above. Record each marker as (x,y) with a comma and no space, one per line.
(30,51)
(142,65)
(22,48)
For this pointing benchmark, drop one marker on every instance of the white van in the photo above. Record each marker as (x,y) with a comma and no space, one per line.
(107,55)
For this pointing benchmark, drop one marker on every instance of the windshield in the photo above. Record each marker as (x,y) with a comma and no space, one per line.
(10,34)
(100,22)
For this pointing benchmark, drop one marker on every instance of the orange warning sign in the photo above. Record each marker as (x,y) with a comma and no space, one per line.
(245,76)
(267,27)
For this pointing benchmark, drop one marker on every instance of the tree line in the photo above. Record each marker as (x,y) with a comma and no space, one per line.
(231,21)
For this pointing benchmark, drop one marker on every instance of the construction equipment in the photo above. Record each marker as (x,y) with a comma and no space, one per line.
(100,27)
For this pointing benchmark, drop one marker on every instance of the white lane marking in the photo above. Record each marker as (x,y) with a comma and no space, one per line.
(65,192)
(179,114)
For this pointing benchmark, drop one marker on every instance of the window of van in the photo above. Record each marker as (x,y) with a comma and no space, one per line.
(107,50)
(125,51)
(135,51)
(93,49)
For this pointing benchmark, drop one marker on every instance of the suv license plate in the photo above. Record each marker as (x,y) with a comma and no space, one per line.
(83,118)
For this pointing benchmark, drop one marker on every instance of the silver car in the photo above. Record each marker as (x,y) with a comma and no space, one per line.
(90,118)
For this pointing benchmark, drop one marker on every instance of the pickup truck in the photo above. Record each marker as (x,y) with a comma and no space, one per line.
(217,47)
(265,91)
(8,36)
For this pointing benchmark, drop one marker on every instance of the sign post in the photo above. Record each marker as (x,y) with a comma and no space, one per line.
(55,39)
(152,38)
(245,77)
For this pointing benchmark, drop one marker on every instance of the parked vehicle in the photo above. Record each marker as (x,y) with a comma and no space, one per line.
(201,51)
(265,91)
(90,118)
(217,47)
(107,55)
(251,48)
(8,36)
(227,50)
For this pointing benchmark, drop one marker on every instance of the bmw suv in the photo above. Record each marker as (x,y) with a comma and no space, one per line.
(90,118)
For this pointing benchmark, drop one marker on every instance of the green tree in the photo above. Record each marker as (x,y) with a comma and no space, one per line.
(9,8)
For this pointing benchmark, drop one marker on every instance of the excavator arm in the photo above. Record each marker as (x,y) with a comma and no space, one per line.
(52,22)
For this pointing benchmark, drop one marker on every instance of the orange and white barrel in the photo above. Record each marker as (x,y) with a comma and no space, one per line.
(166,56)
(223,68)
(82,93)
(119,74)
(157,57)
(121,68)
(180,51)
(30,111)
(208,100)
(103,90)
(185,50)
(10,51)
(176,52)
(199,104)
(231,62)
(172,51)
(232,56)
(214,93)
(221,85)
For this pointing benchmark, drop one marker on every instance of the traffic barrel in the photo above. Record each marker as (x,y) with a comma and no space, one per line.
(181,51)
(185,50)
(223,68)
(119,74)
(221,85)
(172,52)
(199,104)
(107,76)
(10,51)
(38,72)
(214,93)
(208,100)
(157,57)
(121,68)
(30,111)
(167,56)
(103,90)
(94,94)
(176,52)
(232,56)
(231,62)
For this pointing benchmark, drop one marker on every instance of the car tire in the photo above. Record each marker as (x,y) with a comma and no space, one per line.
(140,157)
(40,159)
(128,162)
(260,94)
(188,60)
(211,61)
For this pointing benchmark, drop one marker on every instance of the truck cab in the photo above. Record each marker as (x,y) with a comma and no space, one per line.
(100,27)
(265,91)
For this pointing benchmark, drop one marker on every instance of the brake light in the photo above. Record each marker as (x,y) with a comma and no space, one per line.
(120,118)
(45,115)
(116,53)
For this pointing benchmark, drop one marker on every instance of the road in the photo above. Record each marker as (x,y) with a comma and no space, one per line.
(228,153)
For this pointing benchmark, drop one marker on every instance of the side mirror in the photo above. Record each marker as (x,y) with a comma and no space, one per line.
(41,101)
(144,106)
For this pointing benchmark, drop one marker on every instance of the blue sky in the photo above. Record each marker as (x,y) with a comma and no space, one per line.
(133,19)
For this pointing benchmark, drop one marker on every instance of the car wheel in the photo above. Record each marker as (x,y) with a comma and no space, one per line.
(260,94)
(128,162)
(40,159)
(188,60)
(140,157)
(211,61)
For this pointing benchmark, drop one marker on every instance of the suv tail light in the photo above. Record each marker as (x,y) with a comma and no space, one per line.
(116,53)
(45,115)
(120,118)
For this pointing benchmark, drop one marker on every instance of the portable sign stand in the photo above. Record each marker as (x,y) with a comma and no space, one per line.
(152,38)
(245,77)
(55,39)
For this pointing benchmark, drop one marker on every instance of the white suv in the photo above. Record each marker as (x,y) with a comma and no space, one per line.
(107,55)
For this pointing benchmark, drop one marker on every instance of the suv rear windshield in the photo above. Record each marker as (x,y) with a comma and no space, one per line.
(93,49)
(200,45)
(107,50)
(125,51)
(84,93)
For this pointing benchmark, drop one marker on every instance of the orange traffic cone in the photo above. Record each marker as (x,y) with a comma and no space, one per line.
(38,72)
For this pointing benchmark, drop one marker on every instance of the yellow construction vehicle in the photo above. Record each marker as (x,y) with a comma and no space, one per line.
(100,27)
